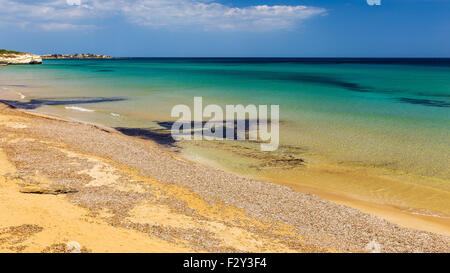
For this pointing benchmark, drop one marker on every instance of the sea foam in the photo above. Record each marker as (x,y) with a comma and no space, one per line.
(79,109)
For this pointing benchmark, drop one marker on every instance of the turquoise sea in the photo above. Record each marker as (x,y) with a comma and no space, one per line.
(387,113)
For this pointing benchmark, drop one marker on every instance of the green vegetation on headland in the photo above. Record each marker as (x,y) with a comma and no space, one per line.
(16,57)
(10,52)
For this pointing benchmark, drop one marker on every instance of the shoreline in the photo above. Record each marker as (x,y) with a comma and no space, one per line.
(399,215)
(409,219)
(159,225)
(402,216)
(235,199)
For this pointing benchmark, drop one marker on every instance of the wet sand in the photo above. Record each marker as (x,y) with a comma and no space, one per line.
(64,181)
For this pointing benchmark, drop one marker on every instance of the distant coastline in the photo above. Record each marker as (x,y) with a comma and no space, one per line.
(75,56)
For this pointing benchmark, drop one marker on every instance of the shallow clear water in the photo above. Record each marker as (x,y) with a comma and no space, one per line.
(388,113)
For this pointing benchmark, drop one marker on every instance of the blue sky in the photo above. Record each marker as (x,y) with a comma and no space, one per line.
(204,28)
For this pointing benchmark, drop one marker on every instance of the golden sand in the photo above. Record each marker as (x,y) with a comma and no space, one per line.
(61,222)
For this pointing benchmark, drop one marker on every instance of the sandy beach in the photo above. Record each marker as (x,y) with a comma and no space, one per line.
(63,181)
(223,127)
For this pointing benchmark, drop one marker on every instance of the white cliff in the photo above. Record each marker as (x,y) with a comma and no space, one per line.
(19,58)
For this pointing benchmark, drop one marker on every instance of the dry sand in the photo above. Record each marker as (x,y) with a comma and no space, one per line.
(64,181)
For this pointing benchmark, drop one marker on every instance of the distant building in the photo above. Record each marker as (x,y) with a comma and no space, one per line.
(75,56)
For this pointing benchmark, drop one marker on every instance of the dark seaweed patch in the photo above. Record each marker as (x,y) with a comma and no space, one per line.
(318,79)
(283,76)
(161,137)
(167,125)
(36,103)
(432,103)
(440,95)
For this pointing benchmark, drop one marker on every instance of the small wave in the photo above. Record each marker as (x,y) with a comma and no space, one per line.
(428,214)
(115,115)
(22,96)
(79,109)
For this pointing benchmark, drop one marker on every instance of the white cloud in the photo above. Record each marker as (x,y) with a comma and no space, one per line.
(210,16)
(193,14)
(64,27)
(43,15)
(73,2)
